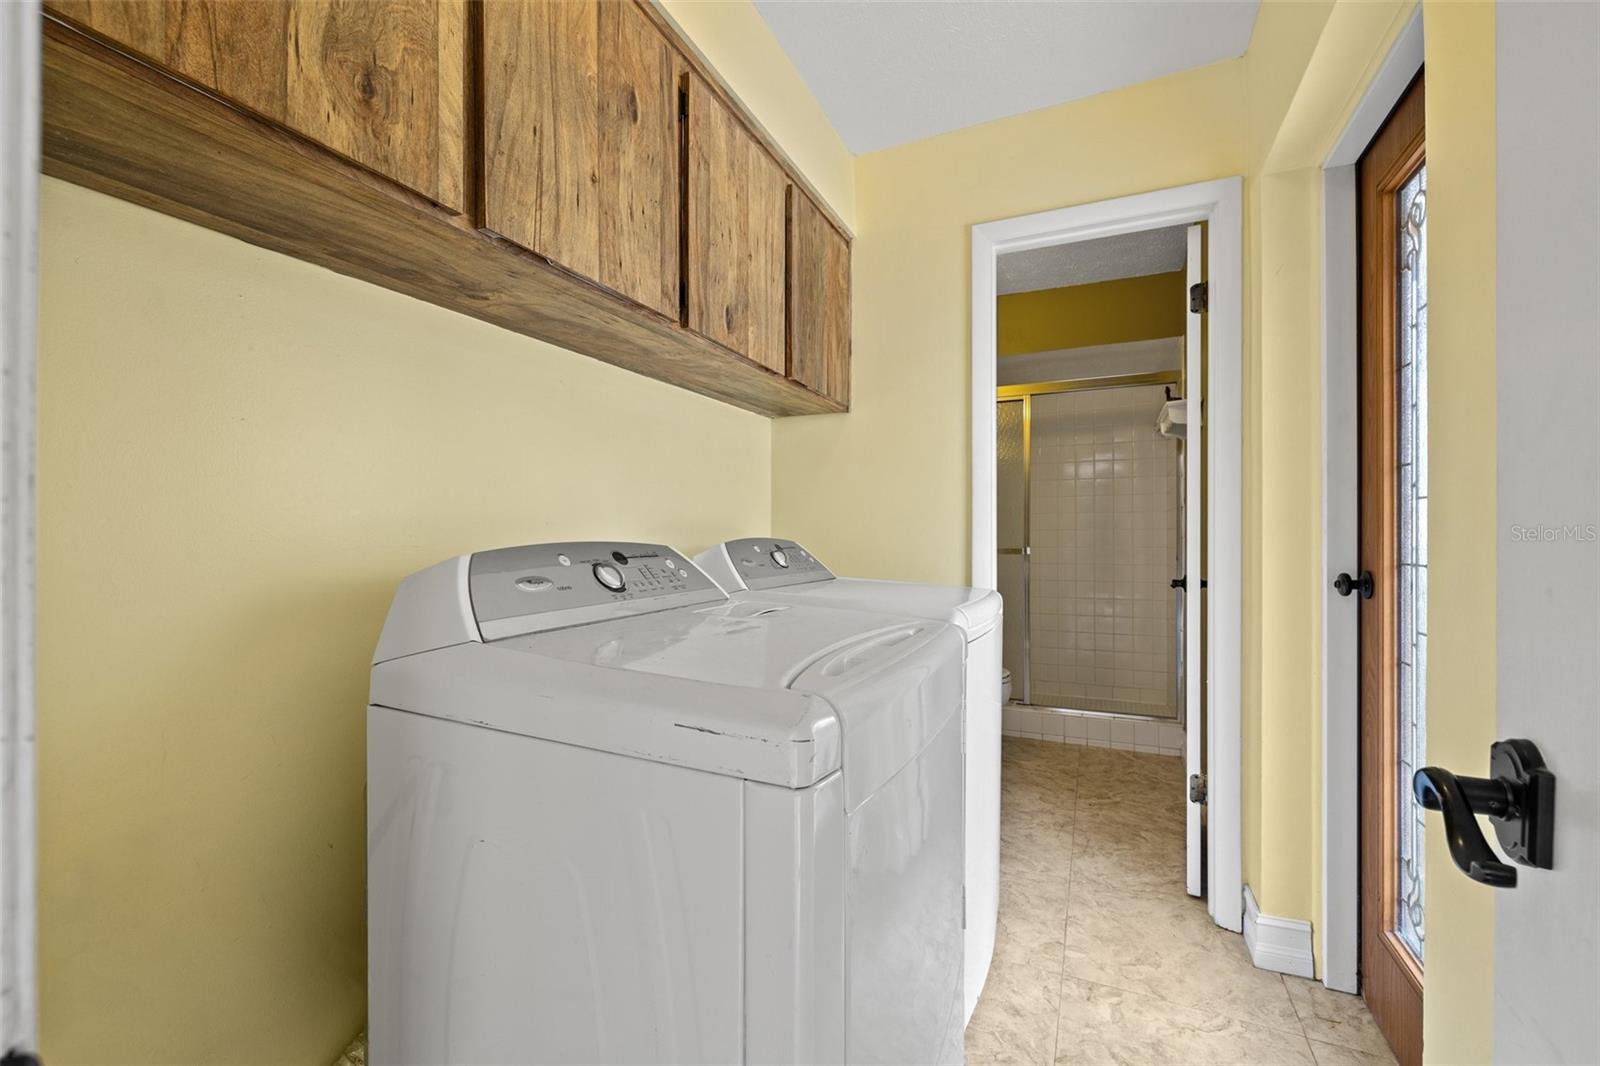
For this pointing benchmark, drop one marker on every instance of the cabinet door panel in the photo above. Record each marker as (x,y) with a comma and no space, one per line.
(381,82)
(581,142)
(734,265)
(819,301)
(541,148)
(640,159)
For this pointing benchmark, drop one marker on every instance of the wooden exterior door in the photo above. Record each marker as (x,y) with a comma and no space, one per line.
(1392,213)
(735,234)
(581,155)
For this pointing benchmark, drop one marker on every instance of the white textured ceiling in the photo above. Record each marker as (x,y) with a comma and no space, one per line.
(1131,255)
(891,71)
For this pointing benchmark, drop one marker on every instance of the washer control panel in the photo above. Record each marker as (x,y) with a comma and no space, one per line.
(551,586)
(768,563)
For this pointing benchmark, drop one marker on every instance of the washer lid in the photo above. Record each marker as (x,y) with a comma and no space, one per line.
(781,693)
(751,644)
(774,735)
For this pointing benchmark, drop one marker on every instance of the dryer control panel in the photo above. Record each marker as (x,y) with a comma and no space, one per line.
(550,586)
(769,563)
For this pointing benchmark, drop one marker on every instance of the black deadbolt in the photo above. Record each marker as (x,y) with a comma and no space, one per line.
(1344,584)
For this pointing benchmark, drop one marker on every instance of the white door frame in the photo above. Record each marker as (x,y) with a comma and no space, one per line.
(1341,889)
(19,242)
(1219,203)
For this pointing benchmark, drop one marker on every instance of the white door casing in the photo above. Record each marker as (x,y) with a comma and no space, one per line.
(1219,203)
(19,238)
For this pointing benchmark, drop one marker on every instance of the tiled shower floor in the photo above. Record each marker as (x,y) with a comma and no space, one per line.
(1102,958)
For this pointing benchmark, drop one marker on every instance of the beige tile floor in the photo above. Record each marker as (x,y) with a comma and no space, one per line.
(1102,958)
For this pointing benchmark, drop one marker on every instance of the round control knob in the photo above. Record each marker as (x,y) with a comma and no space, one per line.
(780,557)
(609,576)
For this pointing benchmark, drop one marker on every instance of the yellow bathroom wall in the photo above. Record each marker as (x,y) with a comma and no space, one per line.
(240,455)
(883,489)
(1103,312)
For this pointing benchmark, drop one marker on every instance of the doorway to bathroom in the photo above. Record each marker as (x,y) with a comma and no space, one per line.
(1105,508)
(1089,511)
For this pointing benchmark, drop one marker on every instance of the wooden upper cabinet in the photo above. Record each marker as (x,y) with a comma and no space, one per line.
(380,82)
(819,300)
(734,241)
(581,152)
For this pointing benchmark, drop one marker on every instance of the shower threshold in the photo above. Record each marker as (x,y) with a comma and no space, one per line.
(1087,712)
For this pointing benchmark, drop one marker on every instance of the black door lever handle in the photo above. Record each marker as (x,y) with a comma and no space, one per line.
(1344,584)
(1519,799)
(1441,790)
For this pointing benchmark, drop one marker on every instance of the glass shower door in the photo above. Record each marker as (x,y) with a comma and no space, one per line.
(1011,495)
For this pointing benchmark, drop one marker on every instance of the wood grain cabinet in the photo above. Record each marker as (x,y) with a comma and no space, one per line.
(734,244)
(819,300)
(569,169)
(380,82)
(581,141)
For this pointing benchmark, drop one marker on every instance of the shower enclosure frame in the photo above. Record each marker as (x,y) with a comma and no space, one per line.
(1220,203)
(1024,394)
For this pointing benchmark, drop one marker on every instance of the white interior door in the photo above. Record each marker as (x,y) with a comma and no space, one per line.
(1194,568)
(1546,959)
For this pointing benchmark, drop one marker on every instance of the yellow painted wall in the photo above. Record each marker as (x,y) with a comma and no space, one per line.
(884,489)
(1460,57)
(1104,312)
(240,455)
(1308,66)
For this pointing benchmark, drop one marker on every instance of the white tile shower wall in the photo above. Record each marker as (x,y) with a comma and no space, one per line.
(1104,534)
(1093,729)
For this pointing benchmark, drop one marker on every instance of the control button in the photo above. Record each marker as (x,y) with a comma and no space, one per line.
(780,557)
(564,560)
(535,583)
(622,560)
(609,576)
(683,573)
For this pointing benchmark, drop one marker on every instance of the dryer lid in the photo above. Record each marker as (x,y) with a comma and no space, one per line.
(786,569)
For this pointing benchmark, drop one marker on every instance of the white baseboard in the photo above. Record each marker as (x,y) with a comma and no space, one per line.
(1282,945)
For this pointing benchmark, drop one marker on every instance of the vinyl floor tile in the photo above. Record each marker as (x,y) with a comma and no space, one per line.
(1102,957)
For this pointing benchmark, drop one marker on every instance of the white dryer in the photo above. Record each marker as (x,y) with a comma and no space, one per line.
(614,816)
(781,571)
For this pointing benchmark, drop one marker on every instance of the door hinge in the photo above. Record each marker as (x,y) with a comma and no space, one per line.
(1199,297)
(1197,788)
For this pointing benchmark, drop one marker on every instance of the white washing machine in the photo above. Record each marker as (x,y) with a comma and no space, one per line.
(781,571)
(614,816)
